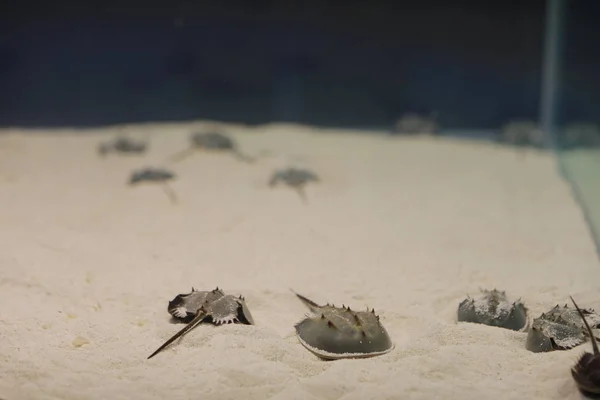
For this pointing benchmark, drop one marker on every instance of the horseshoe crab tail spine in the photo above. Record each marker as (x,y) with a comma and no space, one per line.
(307,302)
(302,194)
(242,157)
(181,155)
(197,319)
(592,338)
(170,193)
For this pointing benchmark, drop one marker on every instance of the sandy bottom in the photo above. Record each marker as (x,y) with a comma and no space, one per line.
(407,226)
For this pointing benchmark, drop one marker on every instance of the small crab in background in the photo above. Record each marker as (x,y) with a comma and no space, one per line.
(416,124)
(561,328)
(521,133)
(155,175)
(122,145)
(212,141)
(586,372)
(494,309)
(334,333)
(295,178)
(209,306)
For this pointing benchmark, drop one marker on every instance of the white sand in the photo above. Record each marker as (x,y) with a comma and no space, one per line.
(408,226)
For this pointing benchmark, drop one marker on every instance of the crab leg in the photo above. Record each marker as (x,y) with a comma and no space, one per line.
(200,315)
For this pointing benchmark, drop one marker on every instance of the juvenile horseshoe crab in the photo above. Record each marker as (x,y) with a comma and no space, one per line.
(494,309)
(521,133)
(415,124)
(561,328)
(586,372)
(334,333)
(295,178)
(122,145)
(209,306)
(212,141)
(155,175)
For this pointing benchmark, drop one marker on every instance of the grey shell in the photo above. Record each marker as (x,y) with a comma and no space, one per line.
(206,306)
(122,145)
(336,333)
(221,308)
(294,177)
(151,175)
(494,309)
(213,141)
(561,328)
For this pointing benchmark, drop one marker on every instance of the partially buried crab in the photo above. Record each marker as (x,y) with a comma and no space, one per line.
(122,145)
(209,306)
(561,328)
(586,372)
(494,309)
(295,178)
(335,333)
(155,175)
(211,141)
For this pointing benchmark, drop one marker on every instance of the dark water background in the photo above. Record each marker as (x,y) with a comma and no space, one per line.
(329,63)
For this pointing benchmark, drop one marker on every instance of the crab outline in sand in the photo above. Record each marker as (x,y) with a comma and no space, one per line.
(334,333)
(210,306)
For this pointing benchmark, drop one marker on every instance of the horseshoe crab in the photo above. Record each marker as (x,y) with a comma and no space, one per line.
(586,372)
(122,145)
(561,328)
(155,175)
(415,124)
(334,333)
(521,133)
(211,141)
(295,178)
(494,309)
(210,306)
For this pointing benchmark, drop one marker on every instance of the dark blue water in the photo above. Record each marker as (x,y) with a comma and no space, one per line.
(350,64)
